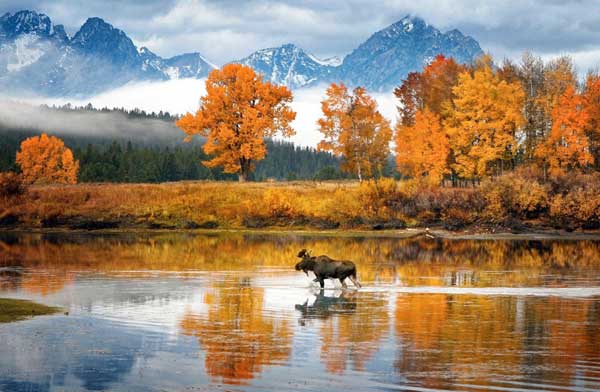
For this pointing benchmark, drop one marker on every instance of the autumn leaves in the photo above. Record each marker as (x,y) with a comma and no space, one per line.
(352,127)
(479,121)
(237,113)
(46,160)
(239,110)
(455,121)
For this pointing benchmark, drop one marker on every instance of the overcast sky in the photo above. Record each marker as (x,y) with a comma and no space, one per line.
(224,30)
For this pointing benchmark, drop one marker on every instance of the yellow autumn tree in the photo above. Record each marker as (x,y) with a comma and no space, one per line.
(483,121)
(237,113)
(353,128)
(46,160)
(422,148)
(567,146)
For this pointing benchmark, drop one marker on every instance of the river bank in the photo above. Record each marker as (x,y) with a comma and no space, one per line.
(508,205)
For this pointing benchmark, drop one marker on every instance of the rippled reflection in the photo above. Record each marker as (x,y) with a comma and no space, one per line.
(237,337)
(179,311)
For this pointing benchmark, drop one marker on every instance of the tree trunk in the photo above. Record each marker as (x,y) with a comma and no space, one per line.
(244,170)
(359,171)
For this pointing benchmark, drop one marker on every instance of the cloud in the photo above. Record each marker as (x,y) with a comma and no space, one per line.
(183,95)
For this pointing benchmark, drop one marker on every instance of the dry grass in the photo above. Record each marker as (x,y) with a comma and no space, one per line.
(328,205)
(15,310)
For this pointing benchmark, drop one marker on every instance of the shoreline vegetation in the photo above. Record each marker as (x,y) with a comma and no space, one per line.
(479,149)
(512,203)
(17,309)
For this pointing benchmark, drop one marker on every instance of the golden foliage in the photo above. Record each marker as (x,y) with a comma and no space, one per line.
(297,205)
(512,196)
(46,160)
(422,149)
(352,127)
(237,113)
(376,198)
(483,122)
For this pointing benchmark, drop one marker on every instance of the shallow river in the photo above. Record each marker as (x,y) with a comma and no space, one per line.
(179,312)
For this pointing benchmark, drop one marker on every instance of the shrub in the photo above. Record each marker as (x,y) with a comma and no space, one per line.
(11,184)
(278,203)
(512,196)
(577,209)
(377,197)
(456,218)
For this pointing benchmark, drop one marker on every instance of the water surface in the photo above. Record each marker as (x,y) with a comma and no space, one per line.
(181,312)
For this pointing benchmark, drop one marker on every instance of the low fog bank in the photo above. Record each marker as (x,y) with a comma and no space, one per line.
(175,96)
(31,117)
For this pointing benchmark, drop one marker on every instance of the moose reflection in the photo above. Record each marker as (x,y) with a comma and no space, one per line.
(326,306)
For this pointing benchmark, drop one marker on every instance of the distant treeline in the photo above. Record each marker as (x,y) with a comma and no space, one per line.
(132,113)
(108,159)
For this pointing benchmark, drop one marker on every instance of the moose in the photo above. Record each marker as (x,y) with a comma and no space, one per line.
(325,267)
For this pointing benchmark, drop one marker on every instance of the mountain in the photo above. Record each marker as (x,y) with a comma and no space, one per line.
(38,57)
(290,65)
(380,63)
(384,60)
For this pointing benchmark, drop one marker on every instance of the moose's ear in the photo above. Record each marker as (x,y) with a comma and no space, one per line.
(302,253)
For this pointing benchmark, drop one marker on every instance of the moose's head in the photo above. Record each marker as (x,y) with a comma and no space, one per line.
(307,263)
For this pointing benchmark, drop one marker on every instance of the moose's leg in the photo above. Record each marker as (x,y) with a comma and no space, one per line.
(344,285)
(321,281)
(355,281)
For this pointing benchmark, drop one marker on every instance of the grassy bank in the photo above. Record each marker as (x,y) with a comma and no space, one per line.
(513,203)
(16,309)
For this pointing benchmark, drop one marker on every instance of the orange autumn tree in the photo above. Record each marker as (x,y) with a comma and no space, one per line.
(46,160)
(592,106)
(431,88)
(354,129)
(559,74)
(237,113)
(422,149)
(484,119)
(567,146)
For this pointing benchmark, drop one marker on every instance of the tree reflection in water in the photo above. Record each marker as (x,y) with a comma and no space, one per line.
(432,339)
(237,337)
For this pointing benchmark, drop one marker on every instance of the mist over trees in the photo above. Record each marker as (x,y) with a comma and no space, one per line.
(129,158)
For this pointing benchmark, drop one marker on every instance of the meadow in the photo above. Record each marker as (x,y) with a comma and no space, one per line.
(517,202)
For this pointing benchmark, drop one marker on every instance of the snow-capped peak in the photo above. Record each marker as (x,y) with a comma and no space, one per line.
(328,62)
(289,65)
(408,24)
